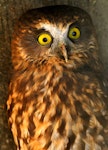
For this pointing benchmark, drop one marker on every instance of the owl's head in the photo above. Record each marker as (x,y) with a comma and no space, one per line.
(62,32)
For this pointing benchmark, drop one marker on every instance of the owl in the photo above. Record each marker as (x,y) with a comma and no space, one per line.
(57,95)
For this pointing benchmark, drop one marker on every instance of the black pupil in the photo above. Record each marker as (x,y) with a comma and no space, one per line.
(74,33)
(45,39)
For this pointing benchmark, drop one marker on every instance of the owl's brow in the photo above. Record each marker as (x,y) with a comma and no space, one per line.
(53,27)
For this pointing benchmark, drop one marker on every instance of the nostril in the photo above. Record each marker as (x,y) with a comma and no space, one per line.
(67,48)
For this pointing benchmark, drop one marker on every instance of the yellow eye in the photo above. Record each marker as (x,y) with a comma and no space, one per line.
(44,39)
(74,33)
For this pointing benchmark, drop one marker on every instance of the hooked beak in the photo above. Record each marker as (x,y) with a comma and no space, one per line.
(64,52)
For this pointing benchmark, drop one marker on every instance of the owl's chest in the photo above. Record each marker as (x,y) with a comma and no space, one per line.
(54,94)
(50,106)
(54,87)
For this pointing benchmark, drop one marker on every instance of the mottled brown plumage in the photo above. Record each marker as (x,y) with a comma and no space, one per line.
(58,98)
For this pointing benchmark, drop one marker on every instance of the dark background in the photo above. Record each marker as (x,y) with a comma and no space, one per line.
(10,11)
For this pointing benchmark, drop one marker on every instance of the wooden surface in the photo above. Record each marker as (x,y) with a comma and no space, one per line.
(10,11)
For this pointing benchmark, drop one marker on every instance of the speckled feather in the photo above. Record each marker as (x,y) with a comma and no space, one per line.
(54,104)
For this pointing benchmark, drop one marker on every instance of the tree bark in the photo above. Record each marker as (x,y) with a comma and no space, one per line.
(10,11)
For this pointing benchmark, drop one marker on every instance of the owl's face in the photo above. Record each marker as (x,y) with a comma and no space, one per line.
(55,31)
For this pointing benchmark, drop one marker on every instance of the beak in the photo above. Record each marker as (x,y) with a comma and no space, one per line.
(64,52)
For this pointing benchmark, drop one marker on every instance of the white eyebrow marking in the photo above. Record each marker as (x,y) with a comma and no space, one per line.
(58,32)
